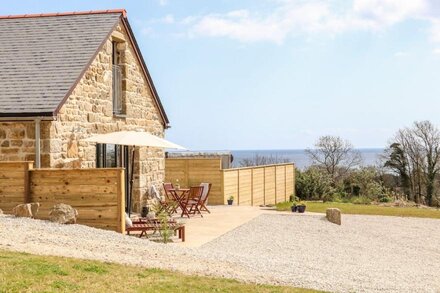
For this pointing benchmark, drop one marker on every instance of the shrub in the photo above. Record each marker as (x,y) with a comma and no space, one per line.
(313,184)
(361,200)
(385,199)
(293,198)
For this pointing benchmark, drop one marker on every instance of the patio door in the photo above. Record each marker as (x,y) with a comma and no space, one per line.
(115,156)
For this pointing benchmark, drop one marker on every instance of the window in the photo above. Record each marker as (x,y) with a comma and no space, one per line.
(117,81)
(108,155)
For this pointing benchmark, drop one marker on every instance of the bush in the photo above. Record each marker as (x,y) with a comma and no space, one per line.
(293,198)
(361,200)
(385,199)
(313,184)
(336,197)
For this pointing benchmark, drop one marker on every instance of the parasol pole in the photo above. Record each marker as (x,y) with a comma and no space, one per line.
(131,181)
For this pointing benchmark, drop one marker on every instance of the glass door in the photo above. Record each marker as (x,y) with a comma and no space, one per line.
(115,156)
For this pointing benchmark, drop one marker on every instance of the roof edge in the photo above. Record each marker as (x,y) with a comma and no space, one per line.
(122,11)
(27,115)
(148,77)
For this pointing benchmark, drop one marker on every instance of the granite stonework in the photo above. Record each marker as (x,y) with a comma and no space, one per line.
(88,110)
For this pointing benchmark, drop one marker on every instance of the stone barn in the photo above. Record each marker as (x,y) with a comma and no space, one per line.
(68,76)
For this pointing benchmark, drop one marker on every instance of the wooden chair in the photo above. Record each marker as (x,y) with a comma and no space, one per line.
(191,204)
(171,204)
(204,199)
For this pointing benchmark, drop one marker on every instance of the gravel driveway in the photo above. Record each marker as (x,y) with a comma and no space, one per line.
(365,254)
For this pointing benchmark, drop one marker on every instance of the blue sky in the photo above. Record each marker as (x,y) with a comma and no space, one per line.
(277,74)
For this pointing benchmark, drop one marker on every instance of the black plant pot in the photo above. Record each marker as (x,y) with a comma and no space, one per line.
(144,212)
(301,208)
(294,209)
(230,201)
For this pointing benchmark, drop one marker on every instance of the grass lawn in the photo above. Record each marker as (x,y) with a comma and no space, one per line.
(349,208)
(21,272)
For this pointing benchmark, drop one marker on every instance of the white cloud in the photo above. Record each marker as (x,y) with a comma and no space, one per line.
(436,51)
(163,2)
(388,12)
(294,17)
(401,54)
(168,19)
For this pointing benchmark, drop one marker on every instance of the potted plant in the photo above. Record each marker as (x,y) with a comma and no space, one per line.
(230,200)
(145,211)
(294,207)
(301,207)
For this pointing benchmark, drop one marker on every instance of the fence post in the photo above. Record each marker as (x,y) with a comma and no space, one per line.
(27,183)
(264,185)
(238,187)
(285,183)
(252,186)
(121,200)
(275,167)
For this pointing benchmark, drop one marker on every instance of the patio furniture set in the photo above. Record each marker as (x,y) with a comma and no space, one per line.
(186,201)
(191,201)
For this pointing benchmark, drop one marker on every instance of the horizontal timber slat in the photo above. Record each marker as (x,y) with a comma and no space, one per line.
(97,194)
(257,185)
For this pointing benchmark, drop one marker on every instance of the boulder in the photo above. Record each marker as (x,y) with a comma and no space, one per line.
(35,206)
(333,215)
(63,214)
(28,210)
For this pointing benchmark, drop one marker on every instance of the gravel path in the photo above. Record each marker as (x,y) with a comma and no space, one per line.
(365,254)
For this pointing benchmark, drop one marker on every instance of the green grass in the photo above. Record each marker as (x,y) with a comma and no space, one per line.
(349,208)
(21,272)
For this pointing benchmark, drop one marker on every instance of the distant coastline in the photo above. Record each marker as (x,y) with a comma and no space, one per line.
(298,156)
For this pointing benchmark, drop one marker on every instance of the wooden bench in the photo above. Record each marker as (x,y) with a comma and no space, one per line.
(154,225)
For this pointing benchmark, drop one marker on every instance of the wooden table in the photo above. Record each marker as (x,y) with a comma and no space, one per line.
(181,195)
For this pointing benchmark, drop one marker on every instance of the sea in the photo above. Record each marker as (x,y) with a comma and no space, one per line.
(370,156)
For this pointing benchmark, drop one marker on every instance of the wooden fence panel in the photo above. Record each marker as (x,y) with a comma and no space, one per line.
(14,184)
(192,172)
(245,187)
(97,194)
(270,186)
(258,186)
(230,187)
(290,180)
(280,182)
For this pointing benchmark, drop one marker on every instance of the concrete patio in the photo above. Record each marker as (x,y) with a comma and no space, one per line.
(221,220)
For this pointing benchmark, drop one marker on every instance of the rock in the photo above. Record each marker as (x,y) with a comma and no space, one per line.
(63,214)
(333,215)
(27,210)
(34,208)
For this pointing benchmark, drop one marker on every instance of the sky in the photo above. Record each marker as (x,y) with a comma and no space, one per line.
(277,74)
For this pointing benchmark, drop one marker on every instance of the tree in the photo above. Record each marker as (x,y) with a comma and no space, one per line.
(428,139)
(397,160)
(259,160)
(414,154)
(367,180)
(335,155)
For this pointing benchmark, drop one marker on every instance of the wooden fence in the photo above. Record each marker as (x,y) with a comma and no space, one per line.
(97,194)
(191,171)
(260,185)
(14,184)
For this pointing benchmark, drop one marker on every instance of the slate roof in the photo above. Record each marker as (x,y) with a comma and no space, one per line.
(43,55)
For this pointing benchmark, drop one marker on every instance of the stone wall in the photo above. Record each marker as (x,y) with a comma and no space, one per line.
(88,111)
(17,141)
